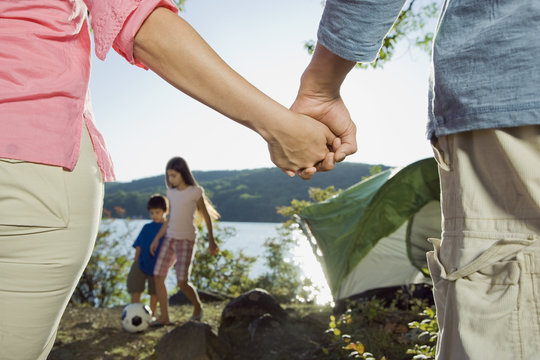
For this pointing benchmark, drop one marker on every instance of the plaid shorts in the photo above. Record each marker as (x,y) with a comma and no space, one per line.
(179,250)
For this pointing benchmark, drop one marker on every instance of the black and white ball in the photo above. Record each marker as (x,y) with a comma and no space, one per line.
(136,317)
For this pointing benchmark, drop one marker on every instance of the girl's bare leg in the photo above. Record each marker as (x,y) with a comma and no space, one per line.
(192,295)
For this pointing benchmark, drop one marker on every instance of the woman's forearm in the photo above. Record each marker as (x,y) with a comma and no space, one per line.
(188,63)
(169,46)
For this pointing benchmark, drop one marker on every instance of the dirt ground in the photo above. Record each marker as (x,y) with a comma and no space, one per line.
(96,334)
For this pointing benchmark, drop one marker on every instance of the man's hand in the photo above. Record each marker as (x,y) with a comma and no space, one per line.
(334,114)
(319,98)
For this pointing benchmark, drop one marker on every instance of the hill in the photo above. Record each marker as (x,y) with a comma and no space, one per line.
(239,195)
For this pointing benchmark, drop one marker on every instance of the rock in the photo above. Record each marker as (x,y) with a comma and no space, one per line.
(255,310)
(206,296)
(263,327)
(191,341)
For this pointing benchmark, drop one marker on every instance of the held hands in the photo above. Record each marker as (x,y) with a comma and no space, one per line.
(297,142)
(319,97)
(332,112)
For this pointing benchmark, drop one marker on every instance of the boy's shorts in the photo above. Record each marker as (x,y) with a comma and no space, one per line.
(179,250)
(136,280)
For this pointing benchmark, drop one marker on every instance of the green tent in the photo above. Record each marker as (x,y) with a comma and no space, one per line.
(374,234)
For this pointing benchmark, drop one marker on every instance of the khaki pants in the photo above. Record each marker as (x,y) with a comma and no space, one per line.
(49,220)
(486,270)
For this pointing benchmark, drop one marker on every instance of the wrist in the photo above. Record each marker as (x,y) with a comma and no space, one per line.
(269,122)
(324,74)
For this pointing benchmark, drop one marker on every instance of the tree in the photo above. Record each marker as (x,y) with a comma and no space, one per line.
(284,279)
(296,207)
(225,272)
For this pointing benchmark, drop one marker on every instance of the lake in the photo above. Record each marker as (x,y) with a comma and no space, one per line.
(248,237)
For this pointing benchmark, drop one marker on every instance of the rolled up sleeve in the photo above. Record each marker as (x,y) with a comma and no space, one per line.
(355,29)
(116,22)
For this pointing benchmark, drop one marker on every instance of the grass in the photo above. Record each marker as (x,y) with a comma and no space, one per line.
(87,333)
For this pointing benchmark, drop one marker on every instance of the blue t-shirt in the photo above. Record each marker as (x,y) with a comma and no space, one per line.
(485,64)
(144,240)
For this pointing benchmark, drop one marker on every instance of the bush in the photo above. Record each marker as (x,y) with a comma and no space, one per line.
(372,329)
(226,272)
(429,336)
(284,279)
(107,268)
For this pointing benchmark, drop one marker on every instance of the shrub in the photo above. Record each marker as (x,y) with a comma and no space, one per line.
(225,272)
(103,279)
(429,334)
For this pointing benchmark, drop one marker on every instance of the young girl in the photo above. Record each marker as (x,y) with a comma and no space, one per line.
(185,198)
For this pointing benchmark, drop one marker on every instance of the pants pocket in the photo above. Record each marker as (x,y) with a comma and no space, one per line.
(441,152)
(478,303)
(32,195)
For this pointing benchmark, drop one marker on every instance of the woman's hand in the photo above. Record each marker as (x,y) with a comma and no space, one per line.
(332,112)
(297,142)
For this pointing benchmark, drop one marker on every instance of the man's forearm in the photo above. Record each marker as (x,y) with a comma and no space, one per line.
(325,73)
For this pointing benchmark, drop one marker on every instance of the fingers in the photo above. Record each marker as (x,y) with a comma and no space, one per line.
(327,163)
(307,173)
(344,150)
(288,172)
(348,144)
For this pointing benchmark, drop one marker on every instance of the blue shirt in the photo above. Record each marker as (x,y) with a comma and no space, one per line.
(144,240)
(485,65)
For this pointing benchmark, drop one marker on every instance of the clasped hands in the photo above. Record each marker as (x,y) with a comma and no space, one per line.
(318,134)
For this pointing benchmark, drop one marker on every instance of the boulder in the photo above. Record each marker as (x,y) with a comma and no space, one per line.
(248,316)
(205,295)
(263,327)
(191,341)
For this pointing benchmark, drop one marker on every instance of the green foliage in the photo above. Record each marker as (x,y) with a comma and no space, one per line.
(284,279)
(345,331)
(296,206)
(180,4)
(430,332)
(107,268)
(379,326)
(225,272)
(375,169)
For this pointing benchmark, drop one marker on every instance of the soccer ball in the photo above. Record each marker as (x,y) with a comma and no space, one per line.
(136,317)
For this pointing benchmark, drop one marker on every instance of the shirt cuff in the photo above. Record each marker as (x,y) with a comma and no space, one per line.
(355,29)
(123,43)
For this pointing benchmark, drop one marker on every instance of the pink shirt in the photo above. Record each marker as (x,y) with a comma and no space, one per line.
(45,68)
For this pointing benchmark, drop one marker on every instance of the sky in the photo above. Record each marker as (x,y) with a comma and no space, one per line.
(145,121)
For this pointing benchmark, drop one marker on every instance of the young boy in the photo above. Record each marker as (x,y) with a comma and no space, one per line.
(142,269)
